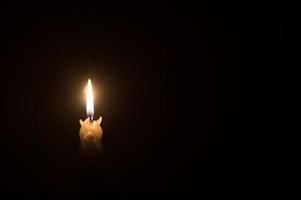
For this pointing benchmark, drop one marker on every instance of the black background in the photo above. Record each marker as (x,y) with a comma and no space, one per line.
(193,97)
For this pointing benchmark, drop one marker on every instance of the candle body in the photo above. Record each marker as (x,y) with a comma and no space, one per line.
(90,130)
(90,135)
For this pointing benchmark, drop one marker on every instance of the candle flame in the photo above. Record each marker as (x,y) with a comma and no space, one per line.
(89,100)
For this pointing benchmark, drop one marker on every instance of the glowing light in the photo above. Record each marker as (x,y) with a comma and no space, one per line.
(90,101)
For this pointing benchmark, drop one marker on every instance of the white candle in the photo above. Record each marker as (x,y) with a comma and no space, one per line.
(90,131)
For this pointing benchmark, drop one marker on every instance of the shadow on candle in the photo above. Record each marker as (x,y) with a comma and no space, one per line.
(91,148)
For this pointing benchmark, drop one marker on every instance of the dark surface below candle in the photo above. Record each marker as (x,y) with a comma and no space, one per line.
(193,98)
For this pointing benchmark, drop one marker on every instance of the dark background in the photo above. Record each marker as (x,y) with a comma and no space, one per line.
(193,97)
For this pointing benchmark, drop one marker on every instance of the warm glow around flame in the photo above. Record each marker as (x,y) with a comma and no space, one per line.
(89,100)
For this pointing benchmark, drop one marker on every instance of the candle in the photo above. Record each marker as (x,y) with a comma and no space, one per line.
(90,132)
